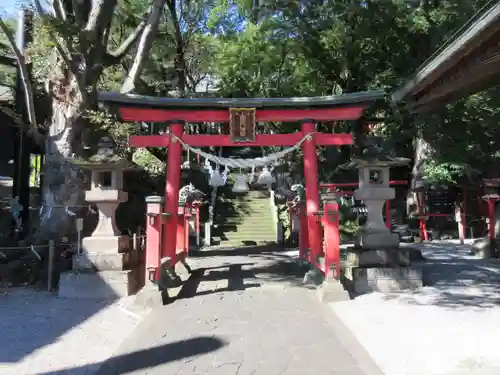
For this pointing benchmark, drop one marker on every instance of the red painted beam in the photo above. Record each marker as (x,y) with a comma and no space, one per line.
(196,140)
(335,185)
(217,115)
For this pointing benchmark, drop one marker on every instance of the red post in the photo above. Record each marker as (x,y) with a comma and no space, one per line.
(303,233)
(464,216)
(423,229)
(460,218)
(181,232)
(172,187)
(332,238)
(187,218)
(153,236)
(388,214)
(312,191)
(491,215)
(197,225)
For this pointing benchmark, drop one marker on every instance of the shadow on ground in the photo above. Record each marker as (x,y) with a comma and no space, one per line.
(32,319)
(147,358)
(455,279)
(243,268)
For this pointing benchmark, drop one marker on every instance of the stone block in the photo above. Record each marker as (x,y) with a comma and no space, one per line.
(377,240)
(359,257)
(104,285)
(101,195)
(313,277)
(372,192)
(151,296)
(483,248)
(111,244)
(365,280)
(332,290)
(91,262)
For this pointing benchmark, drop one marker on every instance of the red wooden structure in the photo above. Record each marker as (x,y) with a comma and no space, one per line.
(329,219)
(176,112)
(460,216)
(342,185)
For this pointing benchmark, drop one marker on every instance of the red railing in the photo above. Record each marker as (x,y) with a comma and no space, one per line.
(156,237)
(340,186)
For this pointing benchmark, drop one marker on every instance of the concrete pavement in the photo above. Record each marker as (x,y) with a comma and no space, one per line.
(243,312)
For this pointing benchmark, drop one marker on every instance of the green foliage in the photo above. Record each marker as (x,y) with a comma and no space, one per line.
(300,48)
(7,73)
(150,163)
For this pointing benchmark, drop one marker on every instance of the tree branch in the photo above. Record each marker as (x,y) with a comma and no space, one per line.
(180,60)
(25,78)
(59,10)
(99,18)
(58,46)
(115,56)
(144,46)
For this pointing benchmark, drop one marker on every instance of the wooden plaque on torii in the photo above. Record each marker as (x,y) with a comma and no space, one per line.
(242,124)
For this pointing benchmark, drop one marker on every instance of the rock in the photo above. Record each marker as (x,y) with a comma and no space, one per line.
(482,247)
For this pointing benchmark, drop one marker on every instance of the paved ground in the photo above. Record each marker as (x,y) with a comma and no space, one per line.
(44,334)
(449,327)
(242,313)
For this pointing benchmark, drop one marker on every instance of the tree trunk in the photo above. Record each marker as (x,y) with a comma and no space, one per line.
(416,196)
(63,183)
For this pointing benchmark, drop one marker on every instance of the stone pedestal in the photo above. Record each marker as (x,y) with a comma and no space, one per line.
(383,279)
(332,290)
(376,262)
(107,266)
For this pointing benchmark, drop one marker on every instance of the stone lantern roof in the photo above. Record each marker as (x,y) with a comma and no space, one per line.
(105,158)
(374,155)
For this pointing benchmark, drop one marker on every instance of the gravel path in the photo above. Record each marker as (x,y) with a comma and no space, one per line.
(450,327)
(43,334)
(242,313)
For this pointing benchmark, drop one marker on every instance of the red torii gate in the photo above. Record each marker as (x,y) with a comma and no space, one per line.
(176,112)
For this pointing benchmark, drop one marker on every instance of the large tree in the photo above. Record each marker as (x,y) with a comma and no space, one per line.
(70,53)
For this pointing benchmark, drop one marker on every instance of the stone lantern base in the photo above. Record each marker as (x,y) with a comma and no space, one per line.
(360,280)
(108,266)
(382,270)
(377,239)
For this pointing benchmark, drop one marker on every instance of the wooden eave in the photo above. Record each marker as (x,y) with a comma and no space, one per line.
(467,63)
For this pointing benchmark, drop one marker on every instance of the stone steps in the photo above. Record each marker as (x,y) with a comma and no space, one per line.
(252,223)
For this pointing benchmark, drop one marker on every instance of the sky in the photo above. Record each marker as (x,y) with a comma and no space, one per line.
(10,6)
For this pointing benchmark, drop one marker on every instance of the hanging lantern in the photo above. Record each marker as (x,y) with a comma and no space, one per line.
(265,177)
(240,185)
(216,179)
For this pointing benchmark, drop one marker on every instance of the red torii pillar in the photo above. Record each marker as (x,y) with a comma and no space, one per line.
(312,191)
(172,187)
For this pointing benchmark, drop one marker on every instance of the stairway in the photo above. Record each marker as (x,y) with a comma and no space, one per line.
(243,220)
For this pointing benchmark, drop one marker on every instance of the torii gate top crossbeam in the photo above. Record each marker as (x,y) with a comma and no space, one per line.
(131,100)
(136,108)
(324,108)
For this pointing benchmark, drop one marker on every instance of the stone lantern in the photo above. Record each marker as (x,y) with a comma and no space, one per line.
(106,170)
(376,262)
(105,267)
(374,190)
